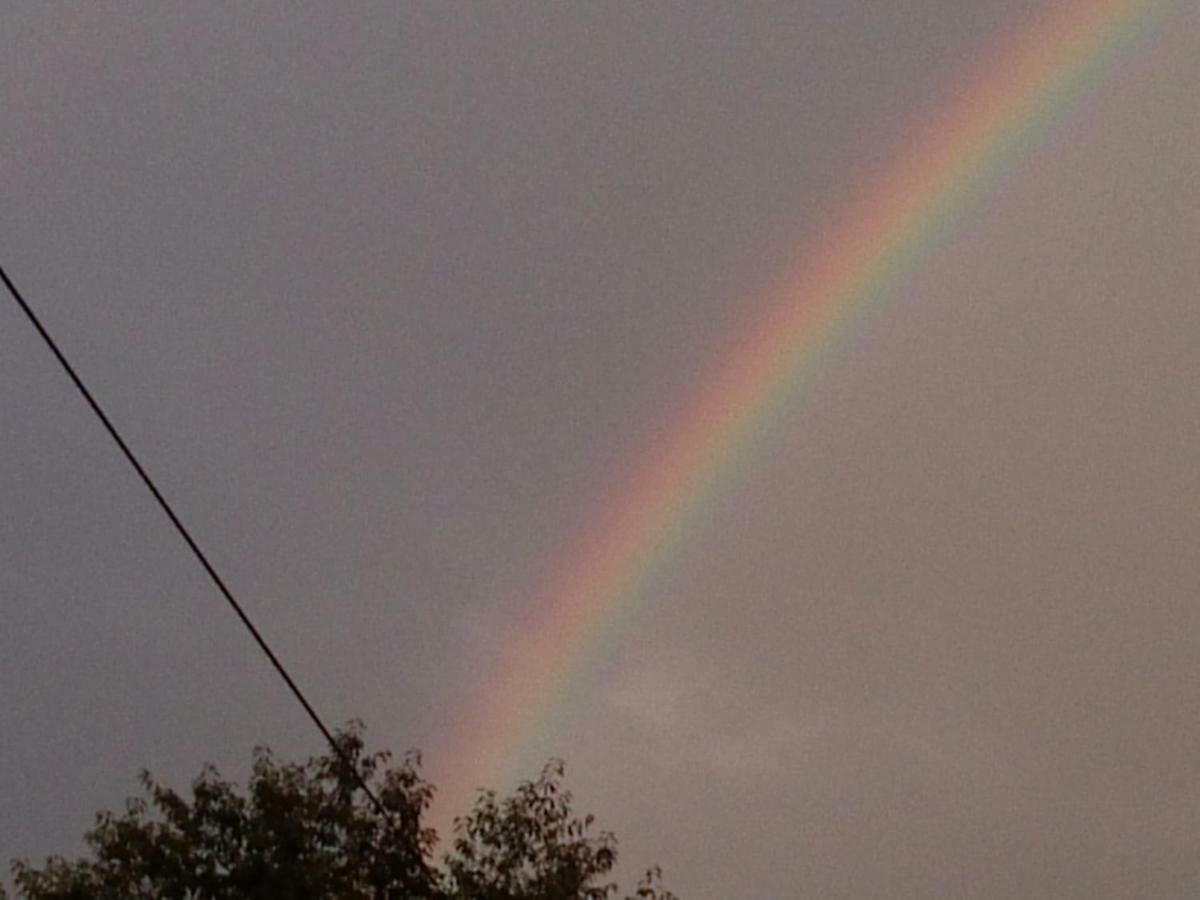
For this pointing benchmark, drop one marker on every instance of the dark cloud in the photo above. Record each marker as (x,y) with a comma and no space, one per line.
(385,296)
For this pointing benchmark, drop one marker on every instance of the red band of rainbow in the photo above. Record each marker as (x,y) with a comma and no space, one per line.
(950,164)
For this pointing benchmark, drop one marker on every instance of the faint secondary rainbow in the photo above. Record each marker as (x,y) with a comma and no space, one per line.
(949,163)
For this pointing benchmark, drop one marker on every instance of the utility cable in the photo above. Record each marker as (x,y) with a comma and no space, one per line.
(195,548)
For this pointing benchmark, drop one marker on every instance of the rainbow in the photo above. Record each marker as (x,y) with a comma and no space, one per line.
(943,171)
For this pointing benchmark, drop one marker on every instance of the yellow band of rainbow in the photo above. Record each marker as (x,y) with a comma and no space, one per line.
(949,166)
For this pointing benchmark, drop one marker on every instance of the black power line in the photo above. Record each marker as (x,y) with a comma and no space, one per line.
(199,554)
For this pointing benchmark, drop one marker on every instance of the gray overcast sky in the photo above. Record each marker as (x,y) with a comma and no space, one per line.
(386,295)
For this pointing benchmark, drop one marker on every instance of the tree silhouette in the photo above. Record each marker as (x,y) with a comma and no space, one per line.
(307,830)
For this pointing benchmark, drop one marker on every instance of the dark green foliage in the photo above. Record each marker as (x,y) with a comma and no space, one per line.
(304,831)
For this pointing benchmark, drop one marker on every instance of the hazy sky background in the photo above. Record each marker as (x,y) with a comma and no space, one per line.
(386,296)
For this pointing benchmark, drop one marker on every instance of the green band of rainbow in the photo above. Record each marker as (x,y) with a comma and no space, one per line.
(948,167)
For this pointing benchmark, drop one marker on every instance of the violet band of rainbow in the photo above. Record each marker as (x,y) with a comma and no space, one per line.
(950,165)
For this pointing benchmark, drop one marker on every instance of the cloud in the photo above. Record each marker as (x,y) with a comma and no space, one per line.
(818,747)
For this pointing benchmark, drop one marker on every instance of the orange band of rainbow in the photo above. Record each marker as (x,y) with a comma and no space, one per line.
(948,167)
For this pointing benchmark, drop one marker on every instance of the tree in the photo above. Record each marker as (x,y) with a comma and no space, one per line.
(307,830)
